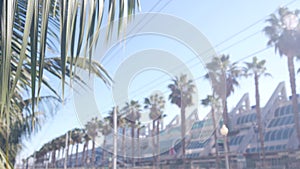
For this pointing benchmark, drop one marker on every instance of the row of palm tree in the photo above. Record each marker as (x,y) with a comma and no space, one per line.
(54,149)
(128,117)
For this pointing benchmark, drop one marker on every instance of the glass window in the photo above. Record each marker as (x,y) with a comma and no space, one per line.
(282,121)
(253,117)
(289,109)
(231,141)
(276,122)
(238,120)
(285,134)
(278,147)
(273,135)
(247,118)
(291,132)
(267,136)
(289,120)
(241,139)
(242,119)
(277,112)
(279,135)
(271,124)
(283,111)
(237,141)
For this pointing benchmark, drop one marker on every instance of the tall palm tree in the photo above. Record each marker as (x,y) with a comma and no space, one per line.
(106,130)
(283,32)
(156,104)
(224,78)
(93,128)
(133,114)
(213,102)
(139,127)
(182,90)
(257,69)
(78,139)
(124,126)
(121,122)
(86,139)
(38,22)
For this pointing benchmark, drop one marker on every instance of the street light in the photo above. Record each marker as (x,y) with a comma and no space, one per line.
(224,132)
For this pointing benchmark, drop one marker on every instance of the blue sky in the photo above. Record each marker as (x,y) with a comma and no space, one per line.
(217,21)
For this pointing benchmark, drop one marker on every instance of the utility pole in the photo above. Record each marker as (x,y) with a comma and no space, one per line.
(115,138)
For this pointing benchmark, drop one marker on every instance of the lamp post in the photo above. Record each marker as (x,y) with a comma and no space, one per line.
(109,164)
(224,132)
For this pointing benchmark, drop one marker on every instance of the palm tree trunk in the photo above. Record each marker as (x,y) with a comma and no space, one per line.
(83,154)
(259,120)
(67,155)
(225,113)
(132,143)
(71,154)
(158,146)
(215,137)
(93,152)
(53,158)
(103,149)
(153,142)
(183,131)
(226,121)
(294,95)
(138,144)
(86,152)
(123,142)
(76,158)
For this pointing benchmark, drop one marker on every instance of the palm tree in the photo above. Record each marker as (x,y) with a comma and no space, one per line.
(133,114)
(124,126)
(106,130)
(86,139)
(182,90)
(283,32)
(93,128)
(139,127)
(68,140)
(156,104)
(224,78)
(121,122)
(23,64)
(213,102)
(78,139)
(62,144)
(257,69)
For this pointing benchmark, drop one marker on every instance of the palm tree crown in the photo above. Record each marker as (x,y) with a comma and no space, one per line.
(284,32)
(181,91)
